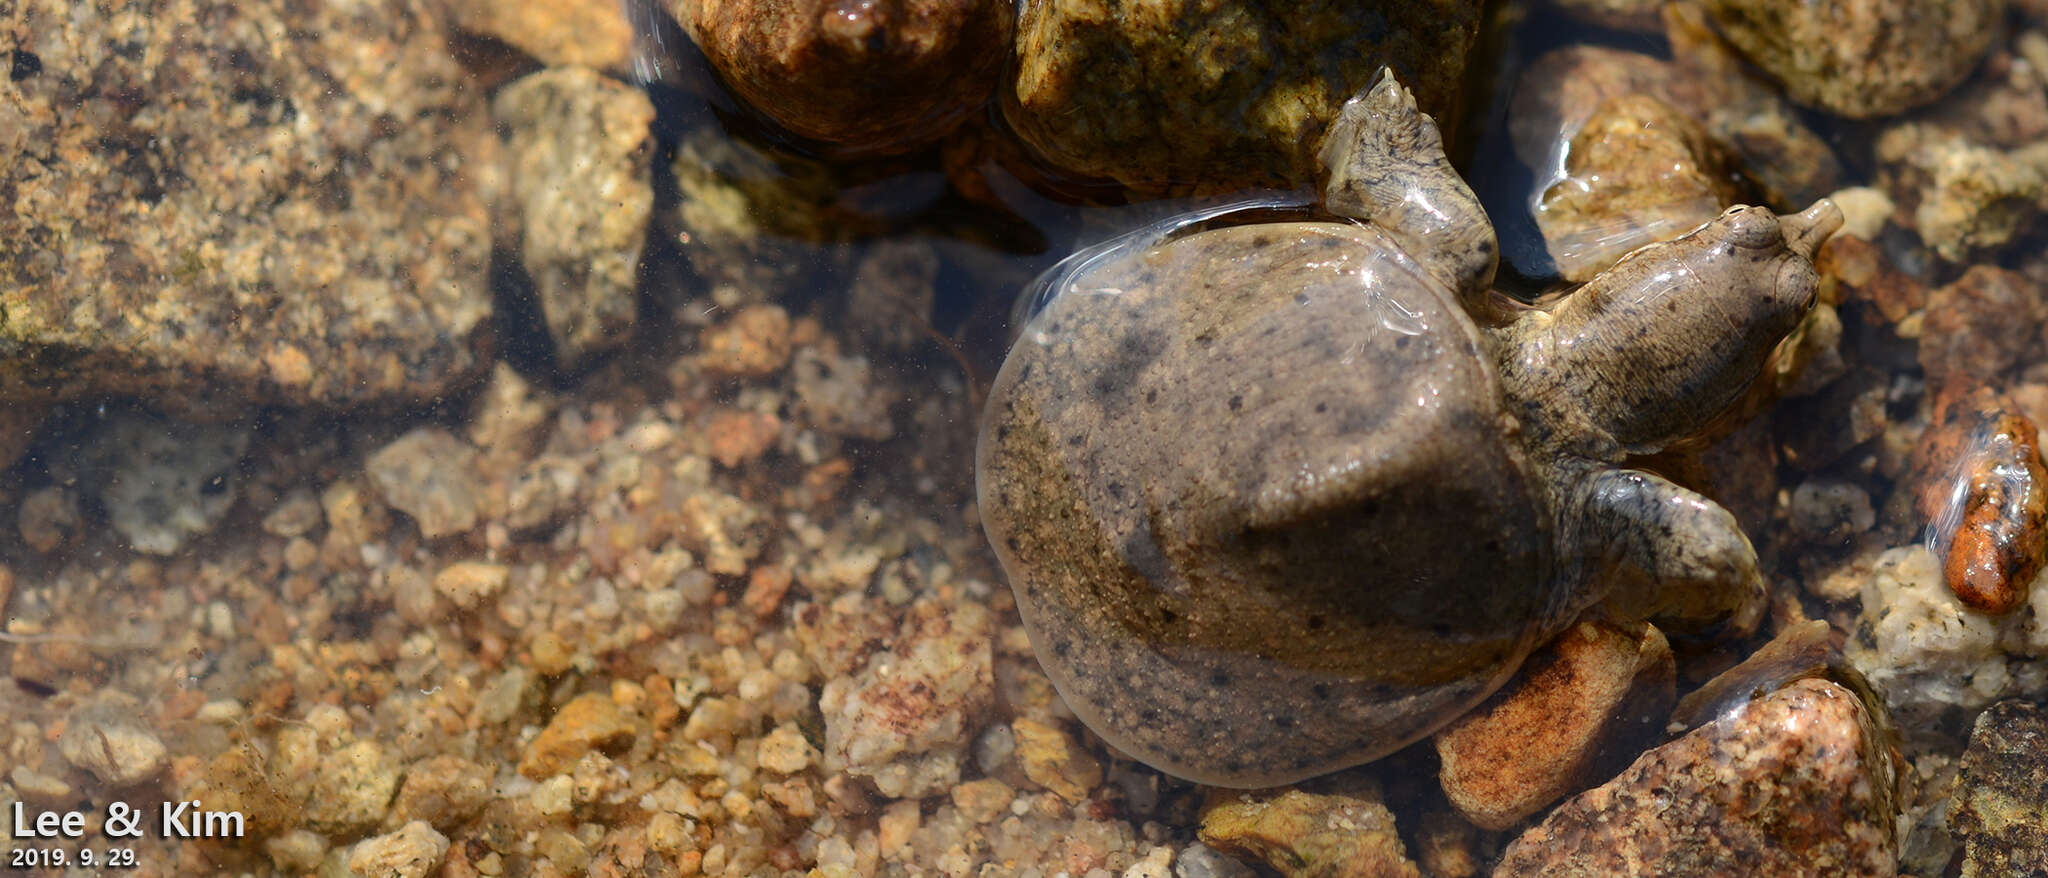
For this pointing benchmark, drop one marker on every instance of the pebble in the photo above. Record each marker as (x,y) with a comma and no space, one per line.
(1862,274)
(299,850)
(984,800)
(107,738)
(1998,810)
(1935,660)
(1578,710)
(1309,835)
(347,788)
(162,481)
(752,343)
(581,153)
(1790,163)
(469,584)
(736,437)
(1795,785)
(759,224)
(1967,197)
(1199,860)
(1560,90)
(785,751)
(1183,96)
(1862,58)
(1052,760)
(47,517)
(220,253)
(1830,511)
(1983,493)
(296,514)
(430,475)
(1982,325)
(442,791)
(414,851)
(1444,846)
(906,716)
(863,79)
(590,721)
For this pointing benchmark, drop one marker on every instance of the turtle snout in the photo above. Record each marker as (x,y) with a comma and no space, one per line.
(1807,230)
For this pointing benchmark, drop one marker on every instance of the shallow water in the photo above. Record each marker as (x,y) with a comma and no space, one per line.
(705,591)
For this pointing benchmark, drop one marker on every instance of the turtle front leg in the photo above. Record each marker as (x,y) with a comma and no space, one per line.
(1657,550)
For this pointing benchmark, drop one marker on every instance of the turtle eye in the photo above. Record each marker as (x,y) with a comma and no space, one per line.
(1751,227)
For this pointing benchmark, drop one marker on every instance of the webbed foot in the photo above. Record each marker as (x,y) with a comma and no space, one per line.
(1385,163)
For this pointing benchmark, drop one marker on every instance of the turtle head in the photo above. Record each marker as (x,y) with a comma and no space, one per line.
(1656,349)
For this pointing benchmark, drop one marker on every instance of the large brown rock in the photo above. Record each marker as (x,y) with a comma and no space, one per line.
(876,77)
(260,201)
(1862,58)
(1176,95)
(1798,784)
(1578,710)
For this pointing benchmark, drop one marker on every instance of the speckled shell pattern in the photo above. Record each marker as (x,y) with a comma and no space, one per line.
(1281,523)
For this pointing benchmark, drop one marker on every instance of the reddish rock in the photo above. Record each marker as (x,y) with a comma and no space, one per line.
(1984,492)
(1798,784)
(1567,721)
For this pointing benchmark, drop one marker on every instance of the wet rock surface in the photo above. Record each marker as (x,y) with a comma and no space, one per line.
(560,33)
(1985,498)
(648,573)
(310,228)
(1580,707)
(1999,809)
(1310,835)
(1862,58)
(1794,785)
(866,78)
(1637,172)
(1180,96)
(580,150)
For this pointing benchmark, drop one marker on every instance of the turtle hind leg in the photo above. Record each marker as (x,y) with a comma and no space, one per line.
(1660,551)
(1385,163)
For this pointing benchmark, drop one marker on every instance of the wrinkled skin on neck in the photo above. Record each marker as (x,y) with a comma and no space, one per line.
(1658,347)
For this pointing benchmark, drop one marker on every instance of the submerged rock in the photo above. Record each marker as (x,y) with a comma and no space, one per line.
(1966,196)
(250,202)
(1999,810)
(1935,660)
(581,157)
(1309,835)
(559,33)
(163,481)
(1580,708)
(1182,96)
(1862,58)
(1637,172)
(1797,784)
(862,78)
(1983,493)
